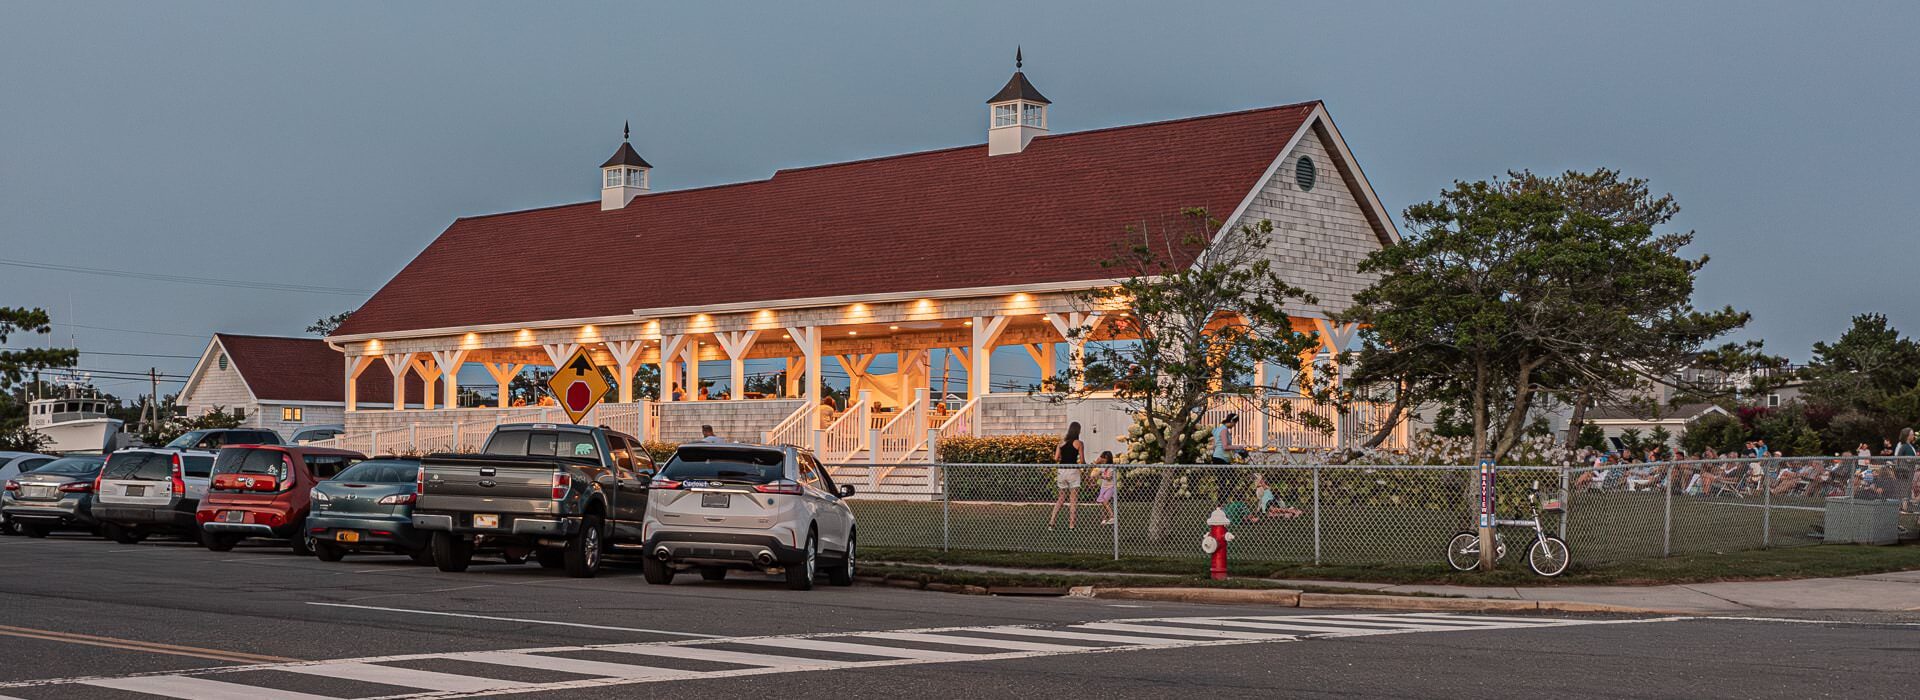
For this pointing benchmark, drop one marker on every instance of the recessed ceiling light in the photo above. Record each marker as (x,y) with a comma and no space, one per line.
(893,328)
(967,323)
(786,336)
(853,332)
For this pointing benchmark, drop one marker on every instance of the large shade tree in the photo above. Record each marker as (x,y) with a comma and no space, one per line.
(1509,292)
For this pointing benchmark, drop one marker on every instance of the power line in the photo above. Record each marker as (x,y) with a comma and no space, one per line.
(183,279)
(202,336)
(138,354)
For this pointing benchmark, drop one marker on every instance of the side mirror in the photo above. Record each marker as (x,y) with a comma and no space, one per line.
(846,491)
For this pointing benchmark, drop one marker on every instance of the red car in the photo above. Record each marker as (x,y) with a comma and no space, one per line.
(263,491)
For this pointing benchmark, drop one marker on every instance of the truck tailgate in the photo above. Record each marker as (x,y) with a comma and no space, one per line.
(491,484)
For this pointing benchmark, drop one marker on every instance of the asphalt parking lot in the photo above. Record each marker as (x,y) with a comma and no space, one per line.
(84,617)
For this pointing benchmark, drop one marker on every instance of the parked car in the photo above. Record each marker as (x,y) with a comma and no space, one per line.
(718,506)
(143,491)
(265,491)
(13,464)
(56,495)
(368,508)
(317,432)
(213,439)
(563,493)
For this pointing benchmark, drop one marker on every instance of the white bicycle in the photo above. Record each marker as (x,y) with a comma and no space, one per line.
(1547,556)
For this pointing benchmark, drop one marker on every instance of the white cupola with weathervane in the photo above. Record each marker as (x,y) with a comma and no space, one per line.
(624,176)
(1016,114)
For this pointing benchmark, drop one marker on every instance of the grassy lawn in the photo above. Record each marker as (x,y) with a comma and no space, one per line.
(1748,565)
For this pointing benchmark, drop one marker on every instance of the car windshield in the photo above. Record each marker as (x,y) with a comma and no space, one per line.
(737,466)
(188,439)
(241,461)
(71,466)
(380,471)
(144,466)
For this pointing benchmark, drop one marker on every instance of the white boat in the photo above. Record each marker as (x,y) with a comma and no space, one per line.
(75,425)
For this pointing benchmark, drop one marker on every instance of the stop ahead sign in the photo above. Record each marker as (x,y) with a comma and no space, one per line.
(577,385)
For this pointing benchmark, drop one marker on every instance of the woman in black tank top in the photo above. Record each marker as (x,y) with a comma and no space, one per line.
(1066,477)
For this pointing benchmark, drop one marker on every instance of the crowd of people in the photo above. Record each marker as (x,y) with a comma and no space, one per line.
(1757,467)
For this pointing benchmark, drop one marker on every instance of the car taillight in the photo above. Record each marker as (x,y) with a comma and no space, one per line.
(398,499)
(75,487)
(420,482)
(179,478)
(269,519)
(96,481)
(562,484)
(13,485)
(667,484)
(784,487)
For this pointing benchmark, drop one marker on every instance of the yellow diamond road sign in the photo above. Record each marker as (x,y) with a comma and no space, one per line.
(577,385)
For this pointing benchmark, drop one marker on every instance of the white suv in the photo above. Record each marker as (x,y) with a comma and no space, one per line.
(718,506)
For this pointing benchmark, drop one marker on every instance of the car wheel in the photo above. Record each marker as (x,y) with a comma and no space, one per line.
(8,527)
(657,572)
(216,542)
(328,551)
(451,553)
(800,573)
(713,573)
(582,554)
(550,558)
(841,573)
(123,534)
(34,531)
(422,556)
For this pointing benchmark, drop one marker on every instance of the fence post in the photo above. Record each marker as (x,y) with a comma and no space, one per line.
(456,437)
(373,442)
(1766,508)
(946,506)
(1666,518)
(413,437)
(1115,502)
(1566,500)
(1316,515)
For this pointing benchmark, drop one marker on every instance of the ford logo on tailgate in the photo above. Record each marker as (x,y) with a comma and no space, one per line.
(488,483)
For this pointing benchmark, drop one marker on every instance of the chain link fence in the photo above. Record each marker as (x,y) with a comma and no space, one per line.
(1348,514)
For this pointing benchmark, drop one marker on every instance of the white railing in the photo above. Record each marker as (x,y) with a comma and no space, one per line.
(900,437)
(965,421)
(795,429)
(847,435)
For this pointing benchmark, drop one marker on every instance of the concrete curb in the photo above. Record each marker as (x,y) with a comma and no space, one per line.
(1356,601)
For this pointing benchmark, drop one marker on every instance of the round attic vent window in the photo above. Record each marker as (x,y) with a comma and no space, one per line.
(1303,173)
(223,362)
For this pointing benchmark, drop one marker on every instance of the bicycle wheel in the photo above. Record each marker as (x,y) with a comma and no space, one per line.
(1548,556)
(1463,551)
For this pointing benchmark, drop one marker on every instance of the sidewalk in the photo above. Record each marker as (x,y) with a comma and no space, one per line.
(1888,592)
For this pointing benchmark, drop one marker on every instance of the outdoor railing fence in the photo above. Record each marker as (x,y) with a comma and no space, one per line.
(1341,514)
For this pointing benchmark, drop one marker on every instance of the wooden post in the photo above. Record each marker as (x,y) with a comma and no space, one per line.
(1067,324)
(503,374)
(736,344)
(356,364)
(808,338)
(625,352)
(671,348)
(986,332)
(399,365)
(450,362)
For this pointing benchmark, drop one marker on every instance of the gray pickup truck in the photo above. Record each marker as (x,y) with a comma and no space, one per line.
(562,493)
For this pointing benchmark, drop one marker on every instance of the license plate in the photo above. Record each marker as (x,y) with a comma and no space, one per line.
(715,500)
(232,516)
(486,521)
(136,491)
(39,491)
(346,536)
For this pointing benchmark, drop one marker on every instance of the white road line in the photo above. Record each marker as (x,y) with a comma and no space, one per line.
(864,649)
(199,689)
(517,619)
(957,640)
(1184,631)
(1487,618)
(1453,622)
(406,677)
(583,667)
(1361,625)
(696,653)
(1309,629)
(1088,636)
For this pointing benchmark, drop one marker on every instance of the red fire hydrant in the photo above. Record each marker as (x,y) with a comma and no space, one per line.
(1215,542)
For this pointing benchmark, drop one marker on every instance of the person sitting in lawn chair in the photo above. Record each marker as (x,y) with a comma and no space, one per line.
(1269,505)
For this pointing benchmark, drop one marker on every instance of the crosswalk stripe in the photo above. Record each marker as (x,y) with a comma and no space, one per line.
(403,677)
(1490,618)
(584,667)
(1439,622)
(954,639)
(1090,636)
(698,653)
(850,648)
(199,689)
(1295,627)
(1184,631)
(1355,625)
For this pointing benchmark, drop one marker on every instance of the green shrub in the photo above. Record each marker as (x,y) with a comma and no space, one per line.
(659,450)
(998,449)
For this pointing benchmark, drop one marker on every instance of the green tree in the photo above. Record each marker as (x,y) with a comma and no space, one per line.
(325,325)
(17,363)
(1207,308)
(1505,294)
(1720,432)
(165,431)
(1870,375)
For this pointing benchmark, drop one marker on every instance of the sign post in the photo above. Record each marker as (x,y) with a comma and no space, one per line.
(1487,499)
(577,385)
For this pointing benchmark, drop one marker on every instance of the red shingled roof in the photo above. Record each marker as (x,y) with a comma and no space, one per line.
(305,369)
(944,219)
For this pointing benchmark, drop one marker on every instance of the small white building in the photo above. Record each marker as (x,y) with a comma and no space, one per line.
(282,384)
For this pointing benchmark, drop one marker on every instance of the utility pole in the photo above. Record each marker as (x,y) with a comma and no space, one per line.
(1489,502)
